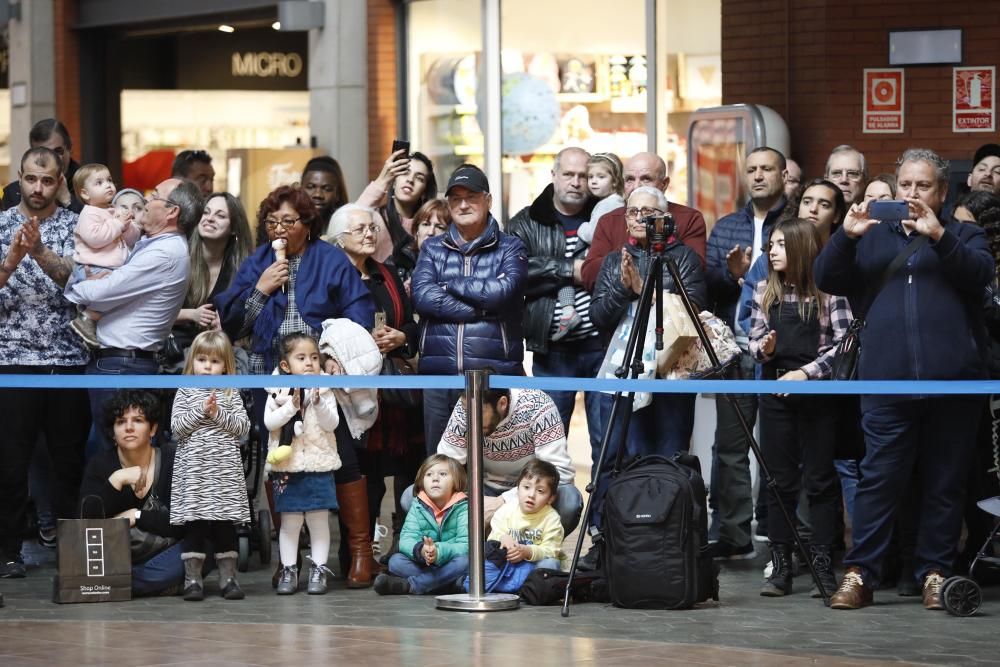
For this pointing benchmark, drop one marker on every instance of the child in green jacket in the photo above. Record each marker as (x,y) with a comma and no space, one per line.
(434,543)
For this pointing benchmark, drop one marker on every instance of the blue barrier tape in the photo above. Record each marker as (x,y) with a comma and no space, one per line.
(886,387)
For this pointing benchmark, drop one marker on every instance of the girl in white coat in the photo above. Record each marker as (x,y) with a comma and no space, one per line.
(302,476)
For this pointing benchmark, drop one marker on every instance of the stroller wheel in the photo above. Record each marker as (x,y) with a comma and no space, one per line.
(961,596)
(264,535)
(243,563)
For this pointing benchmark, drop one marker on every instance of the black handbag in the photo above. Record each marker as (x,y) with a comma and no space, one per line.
(142,543)
(400,367)
(845,359)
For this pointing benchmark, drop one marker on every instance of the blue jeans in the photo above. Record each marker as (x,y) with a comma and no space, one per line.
(98,397)
(662,428)
(428,579)
(438,405)
(849,472)
(936,436)
(563,361)
(159,572)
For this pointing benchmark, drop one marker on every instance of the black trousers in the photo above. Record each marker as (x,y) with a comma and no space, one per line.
(63,417)
(798,436)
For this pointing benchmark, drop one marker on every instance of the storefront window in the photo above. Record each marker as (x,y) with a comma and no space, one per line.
(575,73)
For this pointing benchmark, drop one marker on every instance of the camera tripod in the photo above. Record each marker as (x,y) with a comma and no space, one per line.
(632,367)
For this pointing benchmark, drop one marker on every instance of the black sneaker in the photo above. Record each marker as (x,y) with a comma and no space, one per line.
(726,551)
(12,567)
(387,584)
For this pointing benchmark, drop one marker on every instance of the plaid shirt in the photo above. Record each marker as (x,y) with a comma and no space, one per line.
(834,319)
(293,322)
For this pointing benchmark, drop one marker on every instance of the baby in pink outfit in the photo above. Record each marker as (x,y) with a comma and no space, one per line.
(103,237)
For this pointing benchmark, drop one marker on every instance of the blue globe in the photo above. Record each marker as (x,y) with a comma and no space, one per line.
(530,113)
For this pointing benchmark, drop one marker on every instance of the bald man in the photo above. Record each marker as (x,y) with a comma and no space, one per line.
(611,233)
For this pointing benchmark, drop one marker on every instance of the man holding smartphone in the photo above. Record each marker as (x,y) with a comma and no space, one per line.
(923,321)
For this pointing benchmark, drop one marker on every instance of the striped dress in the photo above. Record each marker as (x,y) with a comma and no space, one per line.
(208,482)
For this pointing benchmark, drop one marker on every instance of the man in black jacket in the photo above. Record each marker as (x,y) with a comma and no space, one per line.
(548,228)
(49,133)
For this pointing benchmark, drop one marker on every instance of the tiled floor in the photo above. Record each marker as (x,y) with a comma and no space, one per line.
(116,643)
(365,629)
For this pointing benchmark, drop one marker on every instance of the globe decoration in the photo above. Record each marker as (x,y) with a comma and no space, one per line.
(530,113)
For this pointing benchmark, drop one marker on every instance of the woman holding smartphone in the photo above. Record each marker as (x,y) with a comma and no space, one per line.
(405,183)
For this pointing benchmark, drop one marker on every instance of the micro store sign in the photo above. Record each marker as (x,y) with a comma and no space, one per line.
(244,60)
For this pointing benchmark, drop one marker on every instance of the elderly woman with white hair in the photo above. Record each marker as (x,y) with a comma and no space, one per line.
(663,427)
(394,446)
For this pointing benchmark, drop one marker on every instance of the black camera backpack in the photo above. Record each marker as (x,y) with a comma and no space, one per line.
(655,530)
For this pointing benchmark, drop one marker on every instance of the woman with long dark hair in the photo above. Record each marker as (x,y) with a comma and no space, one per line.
(405,184)
(218,245)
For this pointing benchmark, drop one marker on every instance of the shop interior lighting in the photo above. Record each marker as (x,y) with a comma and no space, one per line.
(226,28)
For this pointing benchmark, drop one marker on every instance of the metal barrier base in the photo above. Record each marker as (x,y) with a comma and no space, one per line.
(487,602)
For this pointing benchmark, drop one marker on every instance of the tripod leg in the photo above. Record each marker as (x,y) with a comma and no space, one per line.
(619,400)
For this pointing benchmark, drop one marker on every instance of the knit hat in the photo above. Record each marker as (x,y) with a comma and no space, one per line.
(985,151)
(127,191)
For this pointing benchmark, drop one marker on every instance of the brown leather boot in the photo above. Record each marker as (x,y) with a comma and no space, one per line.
(353,500)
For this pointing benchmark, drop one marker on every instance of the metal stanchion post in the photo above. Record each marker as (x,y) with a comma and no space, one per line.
(477,599)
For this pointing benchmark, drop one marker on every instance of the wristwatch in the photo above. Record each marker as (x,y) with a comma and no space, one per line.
(138,513)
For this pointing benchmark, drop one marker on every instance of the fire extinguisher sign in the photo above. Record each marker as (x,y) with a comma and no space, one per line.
(883,99)
(974,102)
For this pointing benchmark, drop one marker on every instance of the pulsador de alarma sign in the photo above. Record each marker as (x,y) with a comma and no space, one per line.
(883,101)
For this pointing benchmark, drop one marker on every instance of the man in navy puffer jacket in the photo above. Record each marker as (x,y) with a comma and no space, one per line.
(925,324)
(468,288)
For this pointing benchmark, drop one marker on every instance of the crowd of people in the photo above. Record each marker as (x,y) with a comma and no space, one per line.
(112,282)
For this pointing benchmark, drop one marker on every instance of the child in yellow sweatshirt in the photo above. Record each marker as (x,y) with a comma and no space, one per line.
(530,529)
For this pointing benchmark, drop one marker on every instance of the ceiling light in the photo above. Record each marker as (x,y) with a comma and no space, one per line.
(276,25)
(226,28)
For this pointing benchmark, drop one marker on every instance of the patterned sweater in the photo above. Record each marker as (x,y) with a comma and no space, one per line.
(531,429)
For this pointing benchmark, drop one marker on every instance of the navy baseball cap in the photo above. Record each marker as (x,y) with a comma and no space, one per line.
(470,177)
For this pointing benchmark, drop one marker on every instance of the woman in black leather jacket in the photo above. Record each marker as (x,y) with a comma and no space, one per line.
(663,427)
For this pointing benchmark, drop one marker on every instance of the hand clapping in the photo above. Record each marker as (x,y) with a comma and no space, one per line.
(429,550)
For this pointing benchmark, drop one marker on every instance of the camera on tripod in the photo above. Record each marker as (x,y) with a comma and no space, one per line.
(659,228)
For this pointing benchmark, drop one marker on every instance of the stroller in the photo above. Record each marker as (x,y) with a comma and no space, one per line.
(960,595)
(255,535)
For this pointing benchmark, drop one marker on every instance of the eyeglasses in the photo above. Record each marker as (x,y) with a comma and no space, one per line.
(644,212)
(286,223)
(360,232)
(167,201)
(852,174)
